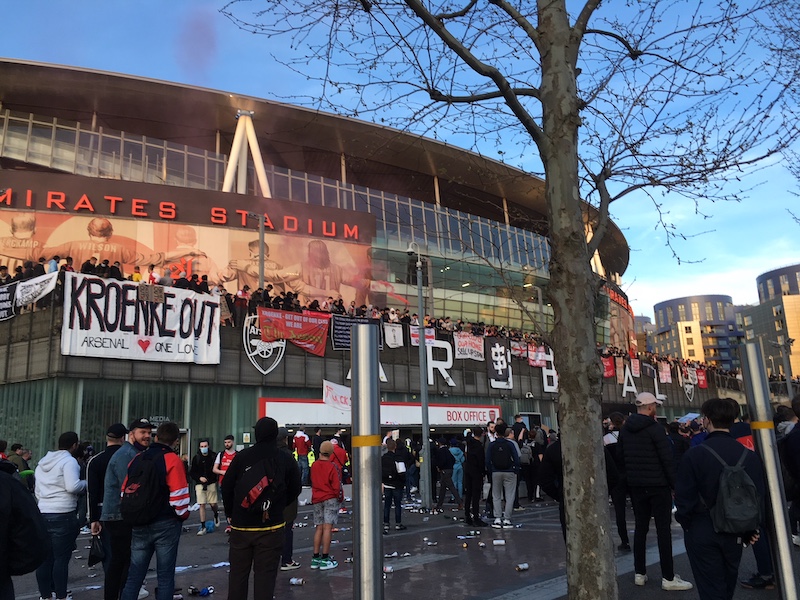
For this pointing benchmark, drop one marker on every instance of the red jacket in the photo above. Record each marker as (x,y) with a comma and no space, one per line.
(302,443)
(326,482)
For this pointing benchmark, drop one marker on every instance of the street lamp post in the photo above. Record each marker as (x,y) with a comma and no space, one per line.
(425,475)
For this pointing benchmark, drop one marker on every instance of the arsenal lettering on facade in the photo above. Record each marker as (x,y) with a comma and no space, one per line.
(75,195)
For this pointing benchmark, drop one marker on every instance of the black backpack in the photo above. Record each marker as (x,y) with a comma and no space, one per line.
(500,455)
(145,494)
(737,509)
(259,487)
(28,540)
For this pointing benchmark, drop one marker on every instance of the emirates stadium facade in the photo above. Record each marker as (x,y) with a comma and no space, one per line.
(133,170)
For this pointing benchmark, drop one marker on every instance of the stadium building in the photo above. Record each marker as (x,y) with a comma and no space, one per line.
(143,172)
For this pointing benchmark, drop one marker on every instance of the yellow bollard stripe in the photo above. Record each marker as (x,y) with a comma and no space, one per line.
(360,441)
(762,425)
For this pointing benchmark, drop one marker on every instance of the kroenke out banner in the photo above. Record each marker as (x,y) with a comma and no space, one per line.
(313,251)
(104,318)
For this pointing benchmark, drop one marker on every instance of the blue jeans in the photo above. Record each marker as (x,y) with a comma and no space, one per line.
(392,495)
(161,537)
(305,471)
(53,573)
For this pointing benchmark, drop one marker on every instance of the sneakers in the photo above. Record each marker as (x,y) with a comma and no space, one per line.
(85,530)
(758,582)
(498,524)
(640,579)
(143,593)
(326,564)
(624,547)
(202,531)
(414,489)
(385,528)
(290,566)
(216,520)
(468,521)
(507,524)
(315,562)
(675,584)
(400,527)
(480,523)
(518,508)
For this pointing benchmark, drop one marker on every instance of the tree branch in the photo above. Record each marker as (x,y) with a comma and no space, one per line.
(440,97)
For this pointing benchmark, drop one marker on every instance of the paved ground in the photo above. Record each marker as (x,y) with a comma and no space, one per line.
(446,570)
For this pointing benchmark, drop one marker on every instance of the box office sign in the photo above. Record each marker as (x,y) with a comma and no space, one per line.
(104,318)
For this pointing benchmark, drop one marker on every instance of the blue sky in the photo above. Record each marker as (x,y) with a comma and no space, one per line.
(151,38)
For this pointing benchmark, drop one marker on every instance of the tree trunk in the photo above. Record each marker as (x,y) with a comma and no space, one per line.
(572,292)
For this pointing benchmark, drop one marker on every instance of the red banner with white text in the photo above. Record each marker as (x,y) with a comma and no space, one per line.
(308,330)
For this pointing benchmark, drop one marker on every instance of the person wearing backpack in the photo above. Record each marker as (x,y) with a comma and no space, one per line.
(443,461)
(58,485)
(719,496)
(258,484)
(502,464)
(155,501)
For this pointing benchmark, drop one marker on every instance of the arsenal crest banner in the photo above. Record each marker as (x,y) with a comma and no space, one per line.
(308,330)
(104,318)
(468,346)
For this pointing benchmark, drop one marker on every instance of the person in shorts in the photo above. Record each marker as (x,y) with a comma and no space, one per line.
(326,494)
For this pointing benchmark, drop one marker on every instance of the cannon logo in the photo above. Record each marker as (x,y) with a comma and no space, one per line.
(264,356)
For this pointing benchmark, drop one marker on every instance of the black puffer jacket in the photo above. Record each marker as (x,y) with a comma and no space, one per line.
(646,453)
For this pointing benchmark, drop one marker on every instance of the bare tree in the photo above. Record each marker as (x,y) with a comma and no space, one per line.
(607,100)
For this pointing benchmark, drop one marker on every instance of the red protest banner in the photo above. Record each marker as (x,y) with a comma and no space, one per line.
(307,330)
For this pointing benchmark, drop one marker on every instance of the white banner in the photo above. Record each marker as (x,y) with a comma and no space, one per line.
(31,290)
(430,335)
(295,411)
(104,318)
(393,335)
(336,395)
(469,346)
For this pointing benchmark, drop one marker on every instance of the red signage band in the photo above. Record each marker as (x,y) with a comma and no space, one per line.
(76,195)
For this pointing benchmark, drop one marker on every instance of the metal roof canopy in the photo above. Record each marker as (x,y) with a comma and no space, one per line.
(289,135)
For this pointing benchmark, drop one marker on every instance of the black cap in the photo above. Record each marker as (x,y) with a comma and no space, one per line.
(283,433)
(266,429)
(141,423)
(117,430)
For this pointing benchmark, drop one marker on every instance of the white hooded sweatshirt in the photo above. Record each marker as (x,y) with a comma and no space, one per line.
(58,482)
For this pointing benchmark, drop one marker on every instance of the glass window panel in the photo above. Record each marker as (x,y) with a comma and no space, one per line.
(154,161)
(417,221)
(280,187)
(176,166)
(330,196)
(314,193)
(297,190)
(40,144)
(195,170)
(390,219)
(361,200)
(404,216)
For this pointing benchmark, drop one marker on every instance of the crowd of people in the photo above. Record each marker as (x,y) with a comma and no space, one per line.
(678,468)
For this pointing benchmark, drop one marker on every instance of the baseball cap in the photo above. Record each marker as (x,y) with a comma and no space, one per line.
(117,430)
(282,433)
(647,398)
(326,448)
(141,423)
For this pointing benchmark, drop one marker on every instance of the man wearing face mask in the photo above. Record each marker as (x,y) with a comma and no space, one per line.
(202,471)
